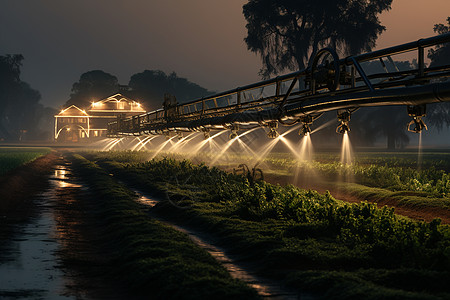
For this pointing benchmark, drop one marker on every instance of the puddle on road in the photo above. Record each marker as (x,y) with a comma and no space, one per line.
(266,288)
(32,270)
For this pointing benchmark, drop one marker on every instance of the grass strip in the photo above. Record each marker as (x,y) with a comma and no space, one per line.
(153,259)
(11,157)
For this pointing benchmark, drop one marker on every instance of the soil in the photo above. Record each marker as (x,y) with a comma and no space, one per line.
(19,184)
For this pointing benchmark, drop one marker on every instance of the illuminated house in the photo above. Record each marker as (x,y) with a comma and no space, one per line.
(74,124)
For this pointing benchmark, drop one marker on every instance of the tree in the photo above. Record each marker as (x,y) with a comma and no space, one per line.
(92,86)
(150,86)
(439,114)
(286,33)
(18,102)
(9,86)
(441,55)
(389,122)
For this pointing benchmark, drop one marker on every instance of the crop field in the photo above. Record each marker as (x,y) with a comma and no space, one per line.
(11,157)
(309,240)
(319,227)
(371,176)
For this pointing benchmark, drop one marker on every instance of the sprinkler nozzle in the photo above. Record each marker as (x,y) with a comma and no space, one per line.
(344,118)
(343,128)
(234,131)
(305,130)
(419,125)
(273,133)
(417,112)
(206,132)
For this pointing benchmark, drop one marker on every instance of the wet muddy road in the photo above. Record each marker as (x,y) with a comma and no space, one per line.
(31,266)
(42,259)
(51,257)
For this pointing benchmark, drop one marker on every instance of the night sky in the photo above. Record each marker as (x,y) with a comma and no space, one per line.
(201,40)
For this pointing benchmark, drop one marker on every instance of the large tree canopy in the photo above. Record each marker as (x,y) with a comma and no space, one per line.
(286,32)
(439,114)
(18,101)
(93,86)
(150,86)
(440,55)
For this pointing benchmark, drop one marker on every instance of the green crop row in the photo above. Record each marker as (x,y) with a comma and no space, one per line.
(433,181)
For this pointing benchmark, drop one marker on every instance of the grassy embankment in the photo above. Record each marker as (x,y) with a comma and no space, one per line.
(152,259)
(312,241)
(11,157)
(22,173)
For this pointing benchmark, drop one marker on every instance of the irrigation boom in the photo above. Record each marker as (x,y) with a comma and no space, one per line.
(327,84)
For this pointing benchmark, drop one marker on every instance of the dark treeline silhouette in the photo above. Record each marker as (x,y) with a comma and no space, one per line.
(151,85)
(22,117)
(286,33)
(147,87)
(92,86)
(440,55)
(439,114)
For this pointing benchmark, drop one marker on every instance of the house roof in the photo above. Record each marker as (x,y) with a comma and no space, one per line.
(72,110)
(116,98)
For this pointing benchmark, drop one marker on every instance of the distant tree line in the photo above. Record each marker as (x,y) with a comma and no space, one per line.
(147,87)
(21,114)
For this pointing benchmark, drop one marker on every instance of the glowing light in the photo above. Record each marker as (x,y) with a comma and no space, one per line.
(323,126)
(147,141)
(113,143)
(73,106)
(203,143)
(162,147)
(229,143)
